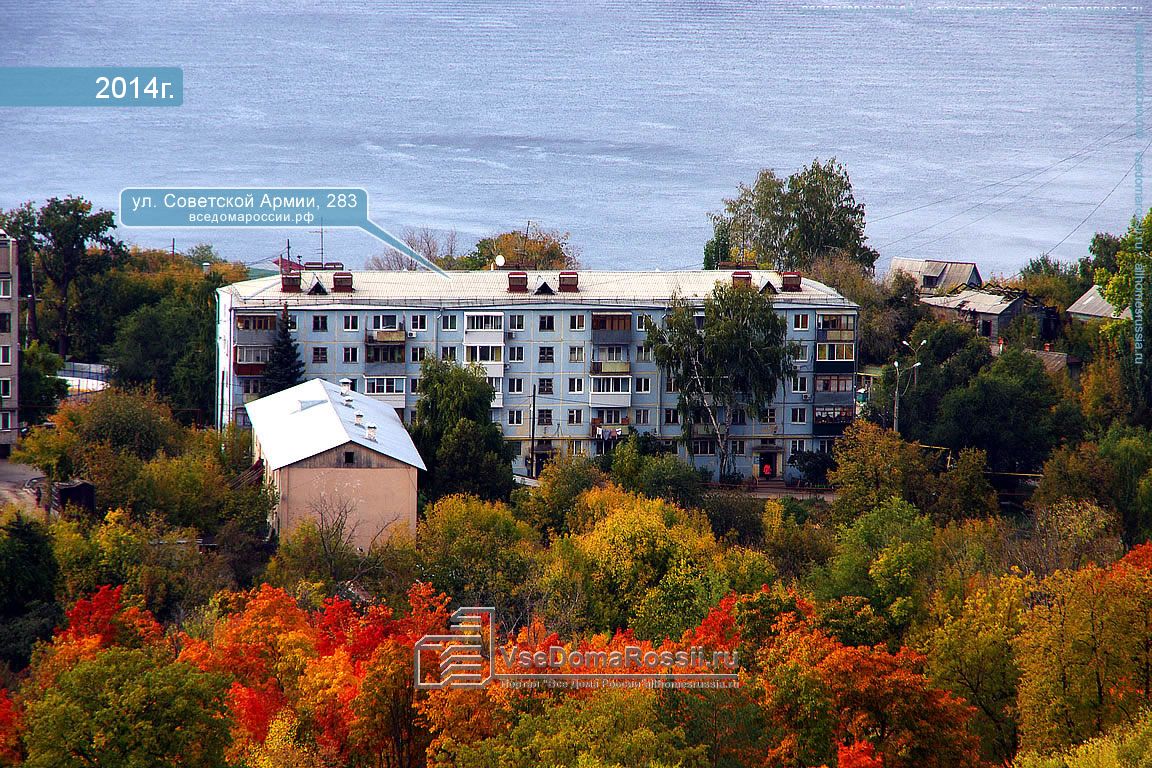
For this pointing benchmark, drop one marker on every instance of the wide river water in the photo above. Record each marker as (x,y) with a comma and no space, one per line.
(1003,125)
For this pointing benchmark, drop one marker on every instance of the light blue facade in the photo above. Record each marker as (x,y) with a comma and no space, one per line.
(570,371)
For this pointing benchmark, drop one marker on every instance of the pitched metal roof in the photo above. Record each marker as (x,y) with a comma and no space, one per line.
(974,300)
(311,418)
(1093,304)
(490,288)
(949,275)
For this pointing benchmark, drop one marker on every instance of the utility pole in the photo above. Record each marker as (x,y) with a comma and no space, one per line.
(532,436)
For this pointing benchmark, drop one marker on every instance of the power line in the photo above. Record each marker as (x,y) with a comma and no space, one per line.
(1004,181)
(1101,203)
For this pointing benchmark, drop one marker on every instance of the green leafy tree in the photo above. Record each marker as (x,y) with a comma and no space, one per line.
(128,709)
(963,491)
(874,465)
(788,224)
(734,360)
(285,368)
(28,609)
(73,243)
(453,423)
(41,390)
(719,248)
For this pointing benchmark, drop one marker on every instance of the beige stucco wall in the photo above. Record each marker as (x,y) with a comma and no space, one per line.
(382,498)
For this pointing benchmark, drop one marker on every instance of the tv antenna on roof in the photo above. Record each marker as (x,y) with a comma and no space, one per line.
(321,233)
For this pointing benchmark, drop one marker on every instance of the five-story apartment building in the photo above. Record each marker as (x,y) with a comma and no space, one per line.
(9,342)
(563,350)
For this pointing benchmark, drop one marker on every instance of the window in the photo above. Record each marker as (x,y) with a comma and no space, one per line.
(801,353)
(547,355)
(769,416)
(642,415)
(319,355)
(497,383)
(614,353)
(576,323)
(643,384)
(544,417)
(671,416)
(836,352)
(796,446)
(611,322)
(575,416)
(391,353)
(575,385)
(547,323)
(670,385)
(252,354)
(836,323)
(351,354)
(349,458)
(292,322)
(737,447)
(515,417)
(515,354)
(641,323)
(6,289)
(799,384)
(515,322)
(609,415)
(414,385)
(835,384)
(545,387)
(575,354)
(251,386)
(319,323)
(739,416)
(6,420)
(485,322)
(351,322)
(385,322)
(383,385)
(800,321)
(703,447)
(243,322)
(612,384)
(515,386)
(833,414)
(643,355)
(418,354)
(419,322)
(825,444)
(5,322)
(799,415)
(482,353)
(447,322)
(575,447)
(5,388)
(447,353)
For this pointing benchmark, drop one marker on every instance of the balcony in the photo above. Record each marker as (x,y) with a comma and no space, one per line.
(830,428)
(834,366)
(600,431)
(386,336)
(610,399)
(844,335)
(249,369)
(610,367)
(611,327)
(833,398)
(385,368)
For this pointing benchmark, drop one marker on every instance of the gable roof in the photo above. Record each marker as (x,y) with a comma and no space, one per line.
(1093,304)
(946,276)
(311,418)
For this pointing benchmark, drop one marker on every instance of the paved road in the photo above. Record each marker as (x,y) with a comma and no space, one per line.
(12,480)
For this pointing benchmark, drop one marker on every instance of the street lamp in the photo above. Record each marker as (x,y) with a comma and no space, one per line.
(896,396)
(915,352)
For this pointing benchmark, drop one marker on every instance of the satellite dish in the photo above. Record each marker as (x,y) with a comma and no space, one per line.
(499,260)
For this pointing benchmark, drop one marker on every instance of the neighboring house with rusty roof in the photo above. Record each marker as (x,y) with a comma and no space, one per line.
(936,277)
(329,451)
(990,310)
(1093,306)
(1054,362)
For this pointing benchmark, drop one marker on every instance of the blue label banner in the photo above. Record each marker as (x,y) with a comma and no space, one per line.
(91,86)
(170,207)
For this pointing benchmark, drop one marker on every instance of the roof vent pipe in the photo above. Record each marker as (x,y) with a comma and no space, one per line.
(370,432)
(359,419)
(345,385)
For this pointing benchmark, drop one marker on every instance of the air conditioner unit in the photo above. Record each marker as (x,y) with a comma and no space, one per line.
(773,429)
(512,335)
(411,334)
(807,398)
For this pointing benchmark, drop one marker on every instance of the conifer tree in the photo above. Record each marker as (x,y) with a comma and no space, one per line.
(285,368)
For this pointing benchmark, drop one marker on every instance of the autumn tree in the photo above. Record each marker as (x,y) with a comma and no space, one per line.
(735,360)
(873,465)
(963,491)
(535,248)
